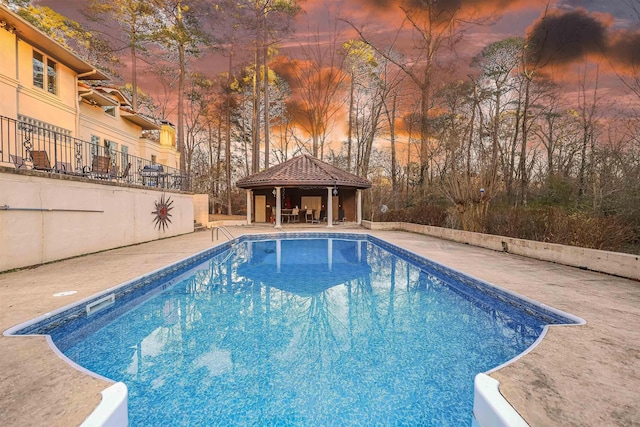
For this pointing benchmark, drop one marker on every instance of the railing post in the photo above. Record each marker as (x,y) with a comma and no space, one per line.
(55,152)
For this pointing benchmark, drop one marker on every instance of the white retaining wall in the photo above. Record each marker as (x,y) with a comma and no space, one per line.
(52,217)
(616,263)
(201,208)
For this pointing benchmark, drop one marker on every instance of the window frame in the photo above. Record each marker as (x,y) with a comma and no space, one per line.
(38,76)
(52,78)
(46,77)
(109,110)
(95,145)
(124,153)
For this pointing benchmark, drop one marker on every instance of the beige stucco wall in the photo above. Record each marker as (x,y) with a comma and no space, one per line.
(8,81)
(116,215)
(94,121)
(58,109)
(619,264)
(165,155)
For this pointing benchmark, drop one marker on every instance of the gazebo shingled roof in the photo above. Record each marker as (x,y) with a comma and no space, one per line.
(303,171)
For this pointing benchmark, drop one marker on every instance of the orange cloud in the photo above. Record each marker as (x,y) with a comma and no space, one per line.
(624,50)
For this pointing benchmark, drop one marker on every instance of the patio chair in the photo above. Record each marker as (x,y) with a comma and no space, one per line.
(99,168)
(65,168)
(124,176)
(18,161)
(311,218)
(114,172)
(41,160)
(295,215)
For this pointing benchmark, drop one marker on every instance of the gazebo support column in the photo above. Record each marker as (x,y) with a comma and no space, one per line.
(329,207)
(249,207)
(358,207)
(278,208)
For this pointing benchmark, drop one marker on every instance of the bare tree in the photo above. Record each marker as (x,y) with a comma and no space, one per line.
(556,130)
(179,31)
(316,81)
(588,114)
(133,26)
(436,28)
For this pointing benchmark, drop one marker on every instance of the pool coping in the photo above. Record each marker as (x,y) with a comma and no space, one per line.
(491,406)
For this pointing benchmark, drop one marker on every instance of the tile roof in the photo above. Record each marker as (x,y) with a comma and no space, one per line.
(303,171)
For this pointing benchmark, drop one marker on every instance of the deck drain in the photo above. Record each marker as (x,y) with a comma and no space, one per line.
(65,293)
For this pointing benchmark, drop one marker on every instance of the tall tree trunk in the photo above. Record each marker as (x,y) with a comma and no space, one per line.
(350,121)
(392,137)
(495,146)
(368,143)
(408,162)
(227,151)
(424,136)
(212,175)
(524,179)
(181,136)
(550,142)
(247,147)
(134,72)
(181,76)
(219,162)
(512,158)
(255,134)
(474,107)
(266,99)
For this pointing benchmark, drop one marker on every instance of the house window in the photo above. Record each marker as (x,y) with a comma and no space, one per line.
(42,79)
(43,128)
(38,70)
(125,155)
(110,110)
(52,76)
(95,143)
(110,149)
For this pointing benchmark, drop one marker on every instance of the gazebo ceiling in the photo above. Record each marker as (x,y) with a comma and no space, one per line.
(303,171)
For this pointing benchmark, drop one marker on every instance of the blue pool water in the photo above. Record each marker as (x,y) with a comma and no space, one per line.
(308,331)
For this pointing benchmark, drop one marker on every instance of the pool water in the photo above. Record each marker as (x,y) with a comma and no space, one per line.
(301,332)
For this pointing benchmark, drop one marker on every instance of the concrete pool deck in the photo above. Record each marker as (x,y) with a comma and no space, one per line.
(586,375)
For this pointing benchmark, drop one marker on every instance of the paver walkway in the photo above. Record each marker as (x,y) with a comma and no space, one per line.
(578,376)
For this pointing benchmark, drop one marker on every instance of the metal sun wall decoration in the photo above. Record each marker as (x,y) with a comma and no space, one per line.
(162,215)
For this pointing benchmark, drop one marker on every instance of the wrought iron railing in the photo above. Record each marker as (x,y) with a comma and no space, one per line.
(24,145)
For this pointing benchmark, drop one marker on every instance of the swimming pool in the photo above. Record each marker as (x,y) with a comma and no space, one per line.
(309,330)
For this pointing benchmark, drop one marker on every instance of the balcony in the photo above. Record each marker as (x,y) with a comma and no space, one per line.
(26,146)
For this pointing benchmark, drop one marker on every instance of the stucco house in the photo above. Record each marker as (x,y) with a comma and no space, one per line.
(59,103)
(80,171)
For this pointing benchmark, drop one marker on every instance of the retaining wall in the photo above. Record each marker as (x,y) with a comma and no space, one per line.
(201,208)
(616,263)
(46,217)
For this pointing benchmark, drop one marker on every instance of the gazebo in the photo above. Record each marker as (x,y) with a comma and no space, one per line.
(303,189)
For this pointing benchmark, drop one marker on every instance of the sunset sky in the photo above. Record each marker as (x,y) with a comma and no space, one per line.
(575,28)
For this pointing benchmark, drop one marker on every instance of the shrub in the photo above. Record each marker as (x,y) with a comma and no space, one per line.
(543,224)
(555,225)
(424,214)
